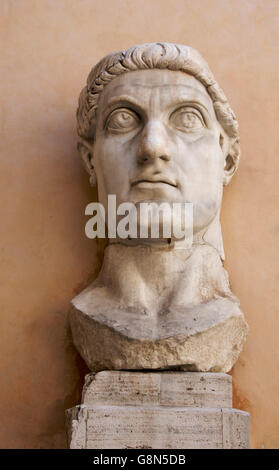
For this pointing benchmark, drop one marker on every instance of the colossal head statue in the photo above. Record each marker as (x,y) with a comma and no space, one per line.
(154,125)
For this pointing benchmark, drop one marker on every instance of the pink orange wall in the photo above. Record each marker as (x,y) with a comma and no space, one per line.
(49,47)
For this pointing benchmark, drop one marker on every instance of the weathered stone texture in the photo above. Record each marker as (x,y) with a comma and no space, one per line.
(168,410)
(163,300)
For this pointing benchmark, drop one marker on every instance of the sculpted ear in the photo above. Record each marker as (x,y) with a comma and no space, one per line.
(85,151)
(231,152)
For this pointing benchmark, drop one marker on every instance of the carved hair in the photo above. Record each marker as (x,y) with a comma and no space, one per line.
(154,56)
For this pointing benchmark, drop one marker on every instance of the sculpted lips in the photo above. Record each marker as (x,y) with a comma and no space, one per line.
(153,181)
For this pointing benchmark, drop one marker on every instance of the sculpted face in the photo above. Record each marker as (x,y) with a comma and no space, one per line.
(157,139)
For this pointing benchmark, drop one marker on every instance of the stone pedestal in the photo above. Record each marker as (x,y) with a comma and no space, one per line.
(167,410)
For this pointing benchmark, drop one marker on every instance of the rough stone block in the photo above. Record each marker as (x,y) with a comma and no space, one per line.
(169,410)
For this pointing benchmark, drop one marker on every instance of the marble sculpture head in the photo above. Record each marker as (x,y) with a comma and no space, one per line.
(154,125)
(165,135)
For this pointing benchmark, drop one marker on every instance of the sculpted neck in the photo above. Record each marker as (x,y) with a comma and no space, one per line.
(156,278)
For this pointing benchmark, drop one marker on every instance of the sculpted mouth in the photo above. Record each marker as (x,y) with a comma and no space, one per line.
(153,181)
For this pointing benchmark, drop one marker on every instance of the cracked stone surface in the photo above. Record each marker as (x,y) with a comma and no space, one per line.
(157,410)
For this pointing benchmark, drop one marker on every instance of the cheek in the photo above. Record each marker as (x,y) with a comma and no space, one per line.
(112,161)
(118,151)
(201,164)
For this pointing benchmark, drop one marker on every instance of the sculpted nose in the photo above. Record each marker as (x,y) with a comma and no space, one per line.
(154,143)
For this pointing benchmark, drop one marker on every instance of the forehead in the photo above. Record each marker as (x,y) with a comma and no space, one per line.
(140,85)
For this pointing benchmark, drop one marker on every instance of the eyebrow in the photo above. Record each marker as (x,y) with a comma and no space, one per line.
(133,101)
(123,98)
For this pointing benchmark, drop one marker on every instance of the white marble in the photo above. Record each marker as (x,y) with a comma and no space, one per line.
(154,125)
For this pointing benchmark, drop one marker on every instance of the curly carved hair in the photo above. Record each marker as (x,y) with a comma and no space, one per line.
(154,56)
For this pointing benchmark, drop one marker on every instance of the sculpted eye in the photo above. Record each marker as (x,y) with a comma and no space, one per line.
(122,120)
(187,119)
